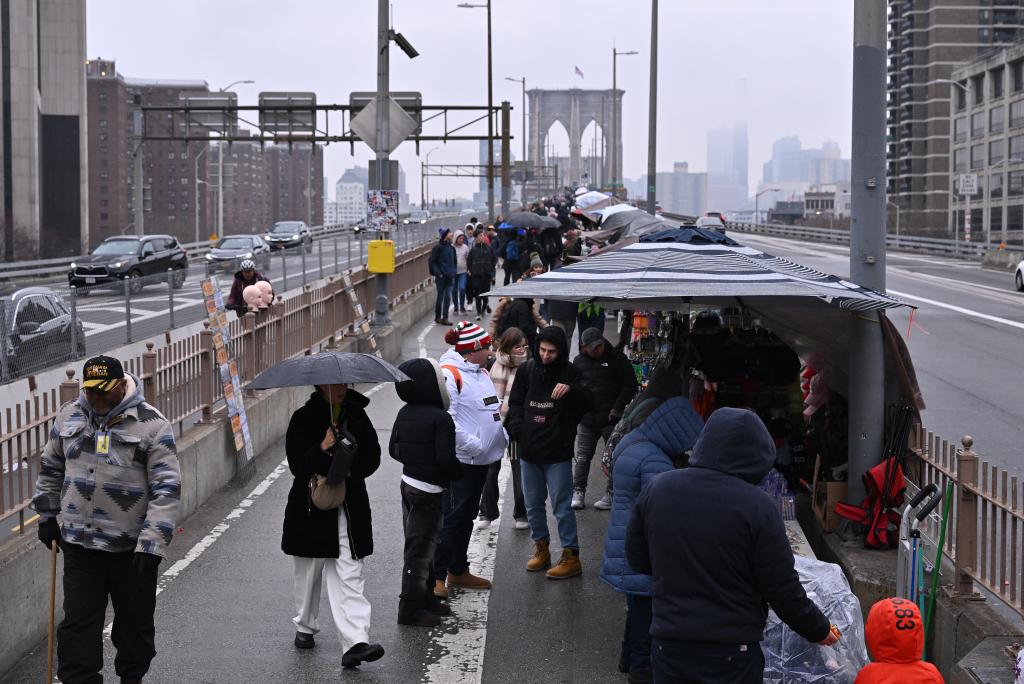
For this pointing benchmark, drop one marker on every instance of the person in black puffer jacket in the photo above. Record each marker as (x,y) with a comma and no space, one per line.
(482,266)
(335,542)
(423,441)
(544,409)
(609,376)
(718,555)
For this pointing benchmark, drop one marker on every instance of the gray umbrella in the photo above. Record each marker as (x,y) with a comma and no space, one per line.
(527,219)
(328,368)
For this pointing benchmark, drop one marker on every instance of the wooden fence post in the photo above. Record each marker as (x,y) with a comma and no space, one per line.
(966,519)
(207,372)
(149,388)
(69,388)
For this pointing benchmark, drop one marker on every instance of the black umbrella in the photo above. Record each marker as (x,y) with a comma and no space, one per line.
(621,219)
(328,368)
(527,219)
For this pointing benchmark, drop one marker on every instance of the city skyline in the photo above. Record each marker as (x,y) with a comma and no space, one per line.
(143,39)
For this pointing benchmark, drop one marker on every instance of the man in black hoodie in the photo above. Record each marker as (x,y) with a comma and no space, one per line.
(716,548)
(423,441)
(544,408)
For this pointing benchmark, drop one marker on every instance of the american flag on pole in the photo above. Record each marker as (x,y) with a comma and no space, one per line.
(578,71)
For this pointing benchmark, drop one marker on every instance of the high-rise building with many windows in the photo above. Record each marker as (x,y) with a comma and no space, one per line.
(926,40)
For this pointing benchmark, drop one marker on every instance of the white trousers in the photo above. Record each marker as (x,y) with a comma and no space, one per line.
(349,607)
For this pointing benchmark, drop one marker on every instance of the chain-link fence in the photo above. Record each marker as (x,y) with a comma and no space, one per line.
(45,326)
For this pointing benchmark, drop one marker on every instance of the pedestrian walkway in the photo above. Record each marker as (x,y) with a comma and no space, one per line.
(225,604)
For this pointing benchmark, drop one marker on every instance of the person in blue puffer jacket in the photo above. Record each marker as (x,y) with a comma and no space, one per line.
(658,445)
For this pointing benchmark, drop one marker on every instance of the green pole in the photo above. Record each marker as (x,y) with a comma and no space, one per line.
(948,495)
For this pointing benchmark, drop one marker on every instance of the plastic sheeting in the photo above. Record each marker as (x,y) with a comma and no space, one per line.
(789,658)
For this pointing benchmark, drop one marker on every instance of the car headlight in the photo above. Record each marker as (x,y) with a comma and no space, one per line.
(247,255)
(209,257)
(296,237)
(405,221)
(117,264)
(74,265)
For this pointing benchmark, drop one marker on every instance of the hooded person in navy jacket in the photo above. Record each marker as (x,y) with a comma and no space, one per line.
(657,446)
(716,548)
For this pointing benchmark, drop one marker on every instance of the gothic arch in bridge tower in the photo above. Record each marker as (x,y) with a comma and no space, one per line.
(575,109)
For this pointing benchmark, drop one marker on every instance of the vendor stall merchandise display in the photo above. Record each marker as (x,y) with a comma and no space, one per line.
(791,659)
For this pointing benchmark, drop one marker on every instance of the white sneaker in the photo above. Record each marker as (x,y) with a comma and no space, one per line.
(577,500)
(604,503)
(522,525)
(482,523)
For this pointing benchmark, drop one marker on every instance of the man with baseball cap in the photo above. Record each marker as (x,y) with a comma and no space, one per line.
(609,376)
(480,440)
(110,470)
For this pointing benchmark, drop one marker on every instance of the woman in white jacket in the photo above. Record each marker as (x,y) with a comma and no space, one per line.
(480,440)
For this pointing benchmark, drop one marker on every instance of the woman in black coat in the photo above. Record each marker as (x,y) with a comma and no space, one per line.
(334,542)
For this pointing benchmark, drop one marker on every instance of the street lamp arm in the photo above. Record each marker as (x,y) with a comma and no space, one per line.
(234,83)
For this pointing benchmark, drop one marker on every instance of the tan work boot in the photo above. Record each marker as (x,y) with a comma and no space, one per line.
(541,557)
(468,580)
(440,591)
(568,566)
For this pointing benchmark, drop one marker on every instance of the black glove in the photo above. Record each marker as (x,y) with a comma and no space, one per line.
(145,564)
(49,533)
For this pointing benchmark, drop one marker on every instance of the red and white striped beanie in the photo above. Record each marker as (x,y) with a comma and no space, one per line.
(467,337)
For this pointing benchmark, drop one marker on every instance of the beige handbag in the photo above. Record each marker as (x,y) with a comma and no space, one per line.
(325,496)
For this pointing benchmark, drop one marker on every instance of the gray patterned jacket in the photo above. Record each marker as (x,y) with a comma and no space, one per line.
(124,500)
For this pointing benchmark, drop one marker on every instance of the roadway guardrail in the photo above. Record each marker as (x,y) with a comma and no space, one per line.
(911,243)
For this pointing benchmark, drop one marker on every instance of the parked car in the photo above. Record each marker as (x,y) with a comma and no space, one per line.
(711,223)
(284,234)
(231,249)
(131,258)
(1018,277)
(718,215)
(36,332)
(417,216)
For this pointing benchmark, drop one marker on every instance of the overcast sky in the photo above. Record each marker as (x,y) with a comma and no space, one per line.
(795,56)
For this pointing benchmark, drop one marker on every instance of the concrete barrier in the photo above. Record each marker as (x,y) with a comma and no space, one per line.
(1002,260)
(208,462)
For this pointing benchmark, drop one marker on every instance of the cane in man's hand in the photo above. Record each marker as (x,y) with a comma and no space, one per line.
(53,595)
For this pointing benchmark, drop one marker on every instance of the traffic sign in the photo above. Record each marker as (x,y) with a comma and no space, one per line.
(968,184)
(401,125)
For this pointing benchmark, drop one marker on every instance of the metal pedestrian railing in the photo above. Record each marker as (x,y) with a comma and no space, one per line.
(181,378)
(986,520)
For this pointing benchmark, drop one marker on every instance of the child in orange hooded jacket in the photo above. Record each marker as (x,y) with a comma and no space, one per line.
(895,637)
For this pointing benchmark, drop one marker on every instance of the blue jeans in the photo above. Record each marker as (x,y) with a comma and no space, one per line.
(444,296)
(460,291)
(461,502)
(540,479)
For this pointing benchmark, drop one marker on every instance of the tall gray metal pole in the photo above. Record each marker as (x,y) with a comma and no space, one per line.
(867,240)
(137,190)
(382,181)
(490,122)
(220,188)
(652,116)
(506,154)
(615,87)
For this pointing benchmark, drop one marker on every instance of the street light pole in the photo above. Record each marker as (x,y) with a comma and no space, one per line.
(757,196)
(615,119)
(652,115)
(866,429)
(523,82)
(426,178)
(220,168)
(195,164)
(897,208)
(490,113)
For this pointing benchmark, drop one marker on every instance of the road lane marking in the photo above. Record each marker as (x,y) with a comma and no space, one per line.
(421,339)
(460,652)
(204,544)
(959,309)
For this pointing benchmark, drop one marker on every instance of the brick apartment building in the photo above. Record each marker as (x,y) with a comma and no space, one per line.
(926,40)
(263,183)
